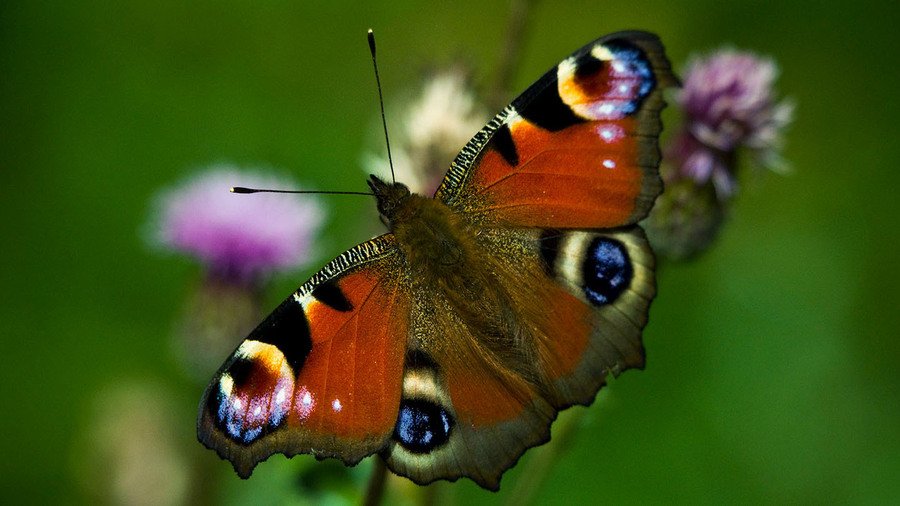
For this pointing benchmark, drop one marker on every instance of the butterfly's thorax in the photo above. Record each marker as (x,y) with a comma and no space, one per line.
(450,269)
(436,242)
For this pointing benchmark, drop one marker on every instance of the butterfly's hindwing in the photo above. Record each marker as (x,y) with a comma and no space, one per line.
(462,419)
(612,273)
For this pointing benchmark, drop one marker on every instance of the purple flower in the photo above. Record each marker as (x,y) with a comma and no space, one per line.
(238,237)
(728,101)
(730,109)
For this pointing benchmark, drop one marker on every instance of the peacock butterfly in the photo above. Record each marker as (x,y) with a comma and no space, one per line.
(449,344)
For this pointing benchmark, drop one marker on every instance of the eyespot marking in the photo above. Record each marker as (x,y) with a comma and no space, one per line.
(422,426)
(242,403)
(606,271)
(607,83)
(631,76)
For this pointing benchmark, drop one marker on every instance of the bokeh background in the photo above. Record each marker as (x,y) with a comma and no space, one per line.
(772,360)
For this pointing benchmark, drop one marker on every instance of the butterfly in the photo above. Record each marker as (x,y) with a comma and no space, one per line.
(449,344)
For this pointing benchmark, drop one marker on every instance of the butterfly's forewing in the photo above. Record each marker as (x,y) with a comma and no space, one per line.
(322,374)
(578,149)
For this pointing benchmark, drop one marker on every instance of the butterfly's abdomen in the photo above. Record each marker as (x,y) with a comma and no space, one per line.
(454,271)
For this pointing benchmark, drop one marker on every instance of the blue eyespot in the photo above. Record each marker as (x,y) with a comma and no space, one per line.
(631,67)
(641,68)
(422,426)
(606,271)
(245,416)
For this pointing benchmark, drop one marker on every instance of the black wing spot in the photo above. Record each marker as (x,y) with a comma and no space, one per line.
(606,271)
(422,426)
(587,66)
(288,330)
(331,295)
(504,144)
(418,359)
(545,107)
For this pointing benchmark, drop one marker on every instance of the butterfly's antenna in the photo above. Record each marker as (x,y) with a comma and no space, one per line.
(241,189)
(387,141)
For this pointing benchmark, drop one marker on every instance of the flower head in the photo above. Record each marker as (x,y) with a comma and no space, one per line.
(729,107)
(436,125)
(729,103)
(236,236)
(240,240)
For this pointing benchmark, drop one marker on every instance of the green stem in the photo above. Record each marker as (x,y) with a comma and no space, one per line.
(375,488)
(516,28)
(542,459)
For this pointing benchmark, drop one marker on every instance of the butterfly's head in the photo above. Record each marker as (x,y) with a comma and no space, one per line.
(391,198)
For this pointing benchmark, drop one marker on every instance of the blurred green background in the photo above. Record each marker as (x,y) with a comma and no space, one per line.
(772,361)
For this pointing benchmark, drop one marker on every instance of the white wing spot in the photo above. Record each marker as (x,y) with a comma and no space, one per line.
(602,53)
(226,384)
(607,134)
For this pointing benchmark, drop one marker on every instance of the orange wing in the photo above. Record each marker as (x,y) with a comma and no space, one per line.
(578,149)
(322,374)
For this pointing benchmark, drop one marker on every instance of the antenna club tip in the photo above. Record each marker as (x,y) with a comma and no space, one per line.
(371,36)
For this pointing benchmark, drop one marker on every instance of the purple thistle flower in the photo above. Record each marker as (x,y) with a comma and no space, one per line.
(240,240)
(729,107)
(238,237)
(728,101)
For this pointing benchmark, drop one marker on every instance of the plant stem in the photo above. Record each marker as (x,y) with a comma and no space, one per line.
(543,458)
(516,28)
(375,488)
